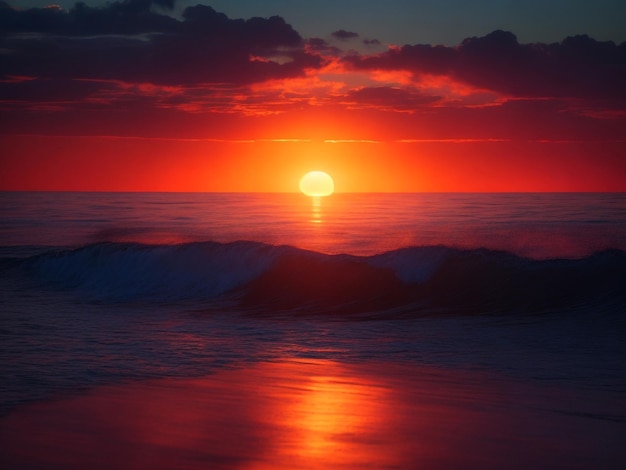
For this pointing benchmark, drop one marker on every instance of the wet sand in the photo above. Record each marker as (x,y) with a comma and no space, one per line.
(299,414)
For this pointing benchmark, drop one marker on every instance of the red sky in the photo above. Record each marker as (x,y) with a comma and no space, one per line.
(124,98)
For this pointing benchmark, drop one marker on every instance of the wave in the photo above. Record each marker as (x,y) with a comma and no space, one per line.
(135,272)
(261,277)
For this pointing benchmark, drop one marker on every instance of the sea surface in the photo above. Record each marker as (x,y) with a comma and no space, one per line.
(248,331)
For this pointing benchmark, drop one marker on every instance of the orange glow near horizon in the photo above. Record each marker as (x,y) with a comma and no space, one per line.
(127,164)
(374,131)
(378,117)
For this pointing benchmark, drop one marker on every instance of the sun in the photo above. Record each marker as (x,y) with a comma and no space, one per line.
(317,183)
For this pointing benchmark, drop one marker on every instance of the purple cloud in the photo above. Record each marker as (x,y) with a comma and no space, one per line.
(578,67)
(371,42)
(388,98)
(344,35)
(127,41)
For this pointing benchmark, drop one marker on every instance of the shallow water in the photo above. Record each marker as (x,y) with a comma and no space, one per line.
(310,414)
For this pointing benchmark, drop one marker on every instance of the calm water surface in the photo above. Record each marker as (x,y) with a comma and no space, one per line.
(534,224)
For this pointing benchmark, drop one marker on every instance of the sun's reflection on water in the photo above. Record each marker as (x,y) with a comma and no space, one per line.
(316,210)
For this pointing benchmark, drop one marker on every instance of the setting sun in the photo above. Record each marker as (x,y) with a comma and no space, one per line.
(317,183)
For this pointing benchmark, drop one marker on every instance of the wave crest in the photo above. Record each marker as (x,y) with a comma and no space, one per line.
(414,280)
(129,272)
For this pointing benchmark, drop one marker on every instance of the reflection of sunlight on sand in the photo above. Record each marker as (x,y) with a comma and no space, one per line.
(322,420)
(323,414)
(316,414)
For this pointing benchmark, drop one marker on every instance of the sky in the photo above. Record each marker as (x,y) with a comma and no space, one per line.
(166,95)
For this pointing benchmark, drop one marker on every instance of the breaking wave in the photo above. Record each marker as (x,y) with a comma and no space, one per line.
(261,277)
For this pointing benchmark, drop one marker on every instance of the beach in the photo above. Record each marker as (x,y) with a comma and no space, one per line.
(145,331)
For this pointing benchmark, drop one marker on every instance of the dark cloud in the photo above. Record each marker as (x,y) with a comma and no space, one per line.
(117,68)
(578,67)
(165,4)
(321,46)
(48,92)
(388,98)
(128,41)
(371,42)
(344,35)
(125,17)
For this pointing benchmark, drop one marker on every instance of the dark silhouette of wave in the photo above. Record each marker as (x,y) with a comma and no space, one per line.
(258,277)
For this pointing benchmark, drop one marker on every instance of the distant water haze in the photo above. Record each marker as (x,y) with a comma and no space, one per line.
(537,225)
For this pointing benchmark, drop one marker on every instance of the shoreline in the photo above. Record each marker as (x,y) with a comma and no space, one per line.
(320,414)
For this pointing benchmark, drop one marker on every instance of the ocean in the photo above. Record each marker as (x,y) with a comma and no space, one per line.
(242,330)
